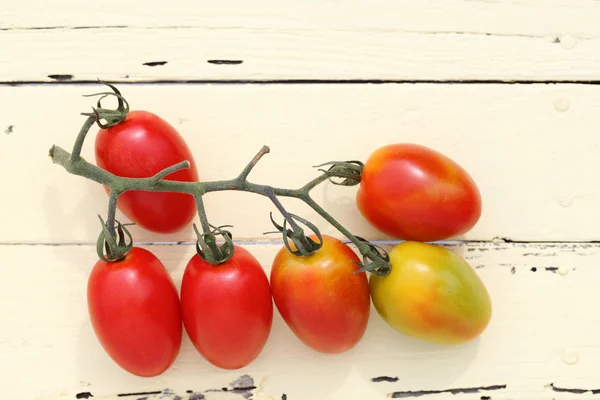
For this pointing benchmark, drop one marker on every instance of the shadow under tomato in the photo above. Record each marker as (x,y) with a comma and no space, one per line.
(174,257)
(297,370)
(385,352)
(94,364)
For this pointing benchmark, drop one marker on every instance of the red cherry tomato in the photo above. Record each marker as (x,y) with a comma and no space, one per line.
(320,298)
(134,310)
(227,309)
(411,192)
(139,147)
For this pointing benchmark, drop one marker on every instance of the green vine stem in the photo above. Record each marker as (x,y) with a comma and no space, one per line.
(375,259)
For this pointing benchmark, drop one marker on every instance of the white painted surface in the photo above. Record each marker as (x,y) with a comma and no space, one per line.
(530,148)
(544,331)
(291,39)
(274,54)
(508,16)
(533,150)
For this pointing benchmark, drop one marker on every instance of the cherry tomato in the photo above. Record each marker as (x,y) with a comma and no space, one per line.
(227,308)
(134,310)
(139,147)
(411,192)
(320,298)
(431,293)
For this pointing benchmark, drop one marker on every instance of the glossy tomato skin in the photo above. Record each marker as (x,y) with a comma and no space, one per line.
(432,294)
(320,298)
(412,192)
(134,310)
(139,147)
(227,309)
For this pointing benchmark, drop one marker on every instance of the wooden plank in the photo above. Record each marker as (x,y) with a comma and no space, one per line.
(201,53)
(542,338)
(455,39)
(501,16)
(530,148)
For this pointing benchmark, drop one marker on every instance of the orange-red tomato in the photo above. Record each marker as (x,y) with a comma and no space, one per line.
(411,192)
(227,308)
(320,298)
(140,147)
(431,293)
(134,310)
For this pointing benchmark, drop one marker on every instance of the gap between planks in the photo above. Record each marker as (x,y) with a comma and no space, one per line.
(268,242)
(67,79)
(280,30)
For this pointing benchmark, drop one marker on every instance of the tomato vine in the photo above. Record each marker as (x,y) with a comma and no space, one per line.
(112,245)
(406,191)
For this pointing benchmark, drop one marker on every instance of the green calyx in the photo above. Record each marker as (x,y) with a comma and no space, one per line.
(112,117)
(305,246)
(375,259)
(208,249)
(349,171)
(111,247)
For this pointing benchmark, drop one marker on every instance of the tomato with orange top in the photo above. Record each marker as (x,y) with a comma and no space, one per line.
(320,298)
(431,293)
(411,192)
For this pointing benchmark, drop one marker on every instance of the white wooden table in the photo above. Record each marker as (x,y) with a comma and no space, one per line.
(507,88)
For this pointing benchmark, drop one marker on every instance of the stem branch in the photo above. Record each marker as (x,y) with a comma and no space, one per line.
(362,247)
(283,211)
(167,171)
(202,214)
(118,185)
(76,155)
(112,211)
(244,175)
(314,183)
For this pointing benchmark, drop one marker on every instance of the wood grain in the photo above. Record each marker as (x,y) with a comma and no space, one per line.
(542,339)
(531,149)
(493,16)
(289,39)
(248,54)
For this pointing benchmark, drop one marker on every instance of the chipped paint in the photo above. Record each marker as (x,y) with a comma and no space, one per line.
(61,77)
(225,62)
(155,63)
(243,386)
(573,390)
(141,393)
(385,379)
(419,393)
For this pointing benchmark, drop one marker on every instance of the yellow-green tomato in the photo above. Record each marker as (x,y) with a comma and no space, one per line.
(431,293)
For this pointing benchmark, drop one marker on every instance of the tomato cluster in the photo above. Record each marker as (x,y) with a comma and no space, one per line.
(407,191)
